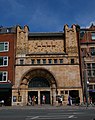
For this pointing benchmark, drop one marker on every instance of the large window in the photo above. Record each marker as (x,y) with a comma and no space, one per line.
(3,61)
(3,76)
(91,69)
(4,46)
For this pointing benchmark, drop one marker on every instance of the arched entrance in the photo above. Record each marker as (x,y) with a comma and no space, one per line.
(39,82)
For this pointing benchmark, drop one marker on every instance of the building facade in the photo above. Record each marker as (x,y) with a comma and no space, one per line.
(47,64)
(87,40)
(7,60)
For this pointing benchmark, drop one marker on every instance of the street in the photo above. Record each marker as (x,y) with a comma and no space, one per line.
(46,113)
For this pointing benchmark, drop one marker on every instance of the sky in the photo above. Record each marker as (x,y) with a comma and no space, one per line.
(46,15)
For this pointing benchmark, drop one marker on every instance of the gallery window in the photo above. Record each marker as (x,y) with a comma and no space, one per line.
(3,76)
(4,46)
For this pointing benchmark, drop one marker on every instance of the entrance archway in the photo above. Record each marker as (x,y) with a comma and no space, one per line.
(39,82)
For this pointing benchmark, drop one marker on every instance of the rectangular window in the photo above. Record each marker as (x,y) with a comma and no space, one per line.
(92,51)
(38,61)
(93,66)
(72,61)
(61,61)
(50,61)
(3,61)
(44,61)
(89,73)
(55,61)
(4,46)
(93,35)
(21,61)
(32,61)
(88,66)
(3,76)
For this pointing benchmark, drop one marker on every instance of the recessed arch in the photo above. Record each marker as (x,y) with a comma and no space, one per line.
(38,73)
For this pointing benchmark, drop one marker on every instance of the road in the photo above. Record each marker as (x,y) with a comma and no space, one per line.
(47,114)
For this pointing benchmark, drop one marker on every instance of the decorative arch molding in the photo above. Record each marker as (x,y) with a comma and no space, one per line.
(38,72)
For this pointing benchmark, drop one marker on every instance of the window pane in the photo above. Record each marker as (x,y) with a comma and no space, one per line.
(88,65)
(1,61)
(93,65)
(61,61)
(49,61)
(1,46)
(3,76)
(38,61)
(32,61)
(5,60)
(55,61)
(44,61)
(21,62)
(93,36)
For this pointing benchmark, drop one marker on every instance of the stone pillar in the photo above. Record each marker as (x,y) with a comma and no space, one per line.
(54,94)
(39,98)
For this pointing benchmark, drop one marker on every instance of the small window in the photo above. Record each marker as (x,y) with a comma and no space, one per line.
(3,61)
(55,61)
(50,61)
(93,35)
(93,65)
(61,61)
(44,61)
(32,61)
(72,61)
(3,76)
(66,92)
(21,62)
(89,73)
(4,46)
(90,87)
(62,92)
(38,61)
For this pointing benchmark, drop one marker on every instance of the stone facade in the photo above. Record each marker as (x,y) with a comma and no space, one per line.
(53,57)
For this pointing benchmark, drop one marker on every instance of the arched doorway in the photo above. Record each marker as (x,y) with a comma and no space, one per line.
(40,82)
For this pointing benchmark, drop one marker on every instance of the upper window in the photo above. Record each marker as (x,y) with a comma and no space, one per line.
(3,61)
(4,46)
(55,61)
(3,76)
(93,35)
(50,61)
(32,61)
(92,51)
(38,61)
(21,61)
(72,61)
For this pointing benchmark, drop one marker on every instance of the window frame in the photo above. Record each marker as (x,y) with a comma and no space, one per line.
(5,59)
(4,74)
(5,47)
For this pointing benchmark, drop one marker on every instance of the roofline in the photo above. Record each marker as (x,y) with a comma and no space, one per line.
(46,34)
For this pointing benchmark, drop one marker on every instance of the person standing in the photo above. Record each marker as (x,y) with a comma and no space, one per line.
(43,99)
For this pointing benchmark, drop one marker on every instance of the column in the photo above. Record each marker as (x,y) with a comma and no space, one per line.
(39,97)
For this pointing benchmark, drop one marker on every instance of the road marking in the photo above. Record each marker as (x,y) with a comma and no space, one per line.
(71,116)
(34,117)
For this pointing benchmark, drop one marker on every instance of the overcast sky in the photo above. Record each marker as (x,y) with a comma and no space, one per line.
(46,15)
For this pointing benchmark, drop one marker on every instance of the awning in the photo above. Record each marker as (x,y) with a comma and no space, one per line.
(5,85)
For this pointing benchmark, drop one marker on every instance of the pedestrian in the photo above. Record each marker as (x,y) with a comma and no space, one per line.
(43,99)
(69,100)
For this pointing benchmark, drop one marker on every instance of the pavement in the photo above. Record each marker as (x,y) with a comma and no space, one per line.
(48,107)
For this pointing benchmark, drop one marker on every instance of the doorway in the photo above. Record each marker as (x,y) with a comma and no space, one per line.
(31,94)
(47,95)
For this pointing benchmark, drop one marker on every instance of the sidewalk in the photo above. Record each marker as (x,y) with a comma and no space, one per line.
(47,107)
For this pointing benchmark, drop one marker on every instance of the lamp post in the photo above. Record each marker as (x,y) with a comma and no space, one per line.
(86,83)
